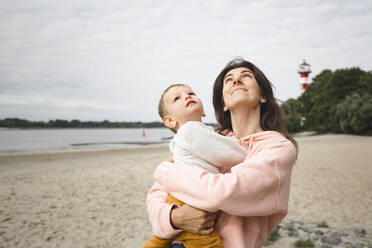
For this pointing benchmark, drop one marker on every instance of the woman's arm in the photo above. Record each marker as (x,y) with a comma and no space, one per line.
(159,212)
(256,187)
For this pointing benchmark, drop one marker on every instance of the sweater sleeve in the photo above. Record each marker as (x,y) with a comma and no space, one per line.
(159,212)
(259,186)
(204,143)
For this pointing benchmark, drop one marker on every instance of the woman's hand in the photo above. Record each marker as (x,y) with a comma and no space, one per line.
(226,132)
(193,220)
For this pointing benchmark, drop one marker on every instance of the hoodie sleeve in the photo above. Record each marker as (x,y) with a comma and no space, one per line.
(159,212)
(259,186)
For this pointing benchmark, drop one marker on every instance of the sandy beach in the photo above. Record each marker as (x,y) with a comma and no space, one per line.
(97,198)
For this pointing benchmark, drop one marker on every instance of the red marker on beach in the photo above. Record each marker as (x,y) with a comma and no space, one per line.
(143,133)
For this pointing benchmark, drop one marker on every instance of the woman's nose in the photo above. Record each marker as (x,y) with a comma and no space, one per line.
(237,81)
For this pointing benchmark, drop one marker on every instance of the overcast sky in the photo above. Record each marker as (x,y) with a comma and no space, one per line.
(96,60)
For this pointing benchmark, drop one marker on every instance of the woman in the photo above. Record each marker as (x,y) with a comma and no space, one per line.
(253,195)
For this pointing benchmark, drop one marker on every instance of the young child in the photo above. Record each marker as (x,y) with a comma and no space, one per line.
(194,144)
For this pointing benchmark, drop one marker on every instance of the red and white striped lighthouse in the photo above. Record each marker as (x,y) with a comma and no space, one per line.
(304,71)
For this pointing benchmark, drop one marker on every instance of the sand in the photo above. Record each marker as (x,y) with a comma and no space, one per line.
(97,198)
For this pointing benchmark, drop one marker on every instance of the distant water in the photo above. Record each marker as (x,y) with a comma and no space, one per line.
(46,140)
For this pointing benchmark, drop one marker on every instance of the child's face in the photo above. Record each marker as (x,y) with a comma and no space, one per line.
(182,105)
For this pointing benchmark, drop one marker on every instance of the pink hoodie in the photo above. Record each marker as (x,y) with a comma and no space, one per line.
(253,196)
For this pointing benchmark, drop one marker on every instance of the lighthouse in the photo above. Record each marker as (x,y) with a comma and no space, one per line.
(304,71)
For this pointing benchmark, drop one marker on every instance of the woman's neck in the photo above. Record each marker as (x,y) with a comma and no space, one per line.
(245,121)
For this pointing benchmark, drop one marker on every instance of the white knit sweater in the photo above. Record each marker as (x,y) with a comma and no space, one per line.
(196,144)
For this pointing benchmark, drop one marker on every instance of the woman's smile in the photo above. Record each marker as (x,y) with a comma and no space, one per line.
(239,89)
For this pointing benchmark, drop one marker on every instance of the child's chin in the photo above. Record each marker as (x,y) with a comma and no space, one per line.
(194,108)
(194,112)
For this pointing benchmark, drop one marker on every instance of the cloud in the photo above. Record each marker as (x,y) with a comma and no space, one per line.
(104,56)
(52,101)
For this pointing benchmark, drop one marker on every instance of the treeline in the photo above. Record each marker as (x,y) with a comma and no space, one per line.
(338,101)
(22,123)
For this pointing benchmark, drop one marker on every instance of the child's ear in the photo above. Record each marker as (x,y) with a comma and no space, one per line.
(169,122)
(203,114)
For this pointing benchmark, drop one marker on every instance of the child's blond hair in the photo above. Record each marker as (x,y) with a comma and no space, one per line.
(162,109)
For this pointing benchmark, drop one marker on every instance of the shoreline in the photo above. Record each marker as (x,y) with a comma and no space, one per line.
(86,151)
(93,150)
(50,141)
(139,144)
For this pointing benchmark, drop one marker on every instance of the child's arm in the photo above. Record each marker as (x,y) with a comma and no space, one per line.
(204,143)
(256,187)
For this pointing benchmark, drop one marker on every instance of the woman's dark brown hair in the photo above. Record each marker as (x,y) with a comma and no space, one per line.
(271,116)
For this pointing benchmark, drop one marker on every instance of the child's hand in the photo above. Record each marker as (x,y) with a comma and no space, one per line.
(169,159)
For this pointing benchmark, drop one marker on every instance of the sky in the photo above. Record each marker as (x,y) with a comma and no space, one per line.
(111,60)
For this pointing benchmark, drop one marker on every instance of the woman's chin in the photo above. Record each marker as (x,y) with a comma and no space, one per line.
(243,102)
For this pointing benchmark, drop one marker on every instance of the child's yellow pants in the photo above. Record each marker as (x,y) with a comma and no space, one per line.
(189,240)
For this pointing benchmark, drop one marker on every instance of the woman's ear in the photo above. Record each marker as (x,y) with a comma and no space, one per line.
(169,122)
(203,114)
(262,100)
(224,109)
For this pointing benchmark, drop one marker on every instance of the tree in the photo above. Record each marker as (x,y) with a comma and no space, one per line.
(292,118)
(328,89)
(313,102)
(61,123)
(76,123)
(355,115)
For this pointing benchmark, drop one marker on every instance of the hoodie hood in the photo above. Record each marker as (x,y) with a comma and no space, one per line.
(263,135)
(249,140)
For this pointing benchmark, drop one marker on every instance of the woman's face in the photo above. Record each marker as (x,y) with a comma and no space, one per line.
(240,88)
